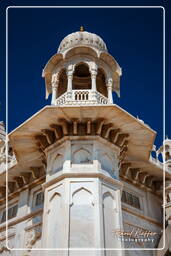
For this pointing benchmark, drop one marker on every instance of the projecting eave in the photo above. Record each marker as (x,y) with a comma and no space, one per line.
(47,71)
(106,57)
(141,137)
(115,68)
(151,166)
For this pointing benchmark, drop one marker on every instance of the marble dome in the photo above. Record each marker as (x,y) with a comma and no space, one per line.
(82,38)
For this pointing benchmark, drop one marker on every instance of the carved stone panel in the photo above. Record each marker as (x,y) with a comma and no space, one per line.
(112,219)
(82,153)
(55,160)
(82,218)
(54,218)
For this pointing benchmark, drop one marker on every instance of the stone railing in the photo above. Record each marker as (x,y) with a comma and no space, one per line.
(101,99)
(79,97)
(62,99)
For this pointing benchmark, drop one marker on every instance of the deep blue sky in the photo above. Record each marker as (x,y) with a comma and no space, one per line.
(133,37)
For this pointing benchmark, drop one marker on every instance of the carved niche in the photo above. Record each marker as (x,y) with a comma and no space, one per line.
(82,153)
(82,219)
(55,160)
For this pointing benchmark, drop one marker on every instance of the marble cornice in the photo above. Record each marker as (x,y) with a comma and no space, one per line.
(84,175)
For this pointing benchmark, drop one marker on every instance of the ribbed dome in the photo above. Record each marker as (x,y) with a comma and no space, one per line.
(82,38)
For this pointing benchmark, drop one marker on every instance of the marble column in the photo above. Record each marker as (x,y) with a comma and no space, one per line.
(109,90)
(93,83)
(93,80)
(55,82)
(70,79)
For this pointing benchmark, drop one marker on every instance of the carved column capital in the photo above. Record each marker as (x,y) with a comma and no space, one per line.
(55,81)
(93,72)
(70,71)
(70,74)
(110,82)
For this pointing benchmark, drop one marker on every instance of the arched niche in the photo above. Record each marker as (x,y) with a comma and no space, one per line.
(55,221)
(109,219)
(56,196)
(84,194)
(82,219)
(62,87)
(101,82)
(108,200)
(82,156)
(58,162)
(81,77)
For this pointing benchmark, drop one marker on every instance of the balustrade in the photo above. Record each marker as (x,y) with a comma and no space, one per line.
(82,96)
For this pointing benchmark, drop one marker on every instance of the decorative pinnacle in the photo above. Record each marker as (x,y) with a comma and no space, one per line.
(81,29)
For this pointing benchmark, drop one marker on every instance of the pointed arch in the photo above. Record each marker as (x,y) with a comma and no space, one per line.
(82,218)
(56,194)
(55,221)
(101,81)
(82,196)
(109,220)
(82,156)
(81,188)
(108,193)
(81,76)
(62,86)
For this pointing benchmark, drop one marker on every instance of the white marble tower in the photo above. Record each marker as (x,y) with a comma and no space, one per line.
(82,189)
(88,158)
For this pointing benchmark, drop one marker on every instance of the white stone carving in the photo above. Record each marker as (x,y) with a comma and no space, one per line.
(81,97)
(55,160)
(82,38)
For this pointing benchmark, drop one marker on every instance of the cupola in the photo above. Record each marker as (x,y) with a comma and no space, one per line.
(82,71)
(165,150)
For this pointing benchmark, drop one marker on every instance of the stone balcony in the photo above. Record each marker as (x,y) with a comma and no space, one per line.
(82,97)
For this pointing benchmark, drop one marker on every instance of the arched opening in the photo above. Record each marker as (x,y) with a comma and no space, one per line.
(101,82)
(167,153)
(160,157)
(81,77)
(167,156)
(153,154)
(62,87)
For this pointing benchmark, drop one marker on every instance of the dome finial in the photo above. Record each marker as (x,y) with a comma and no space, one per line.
(81,29)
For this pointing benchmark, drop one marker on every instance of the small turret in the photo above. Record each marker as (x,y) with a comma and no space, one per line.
(165,150)
(82,72)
